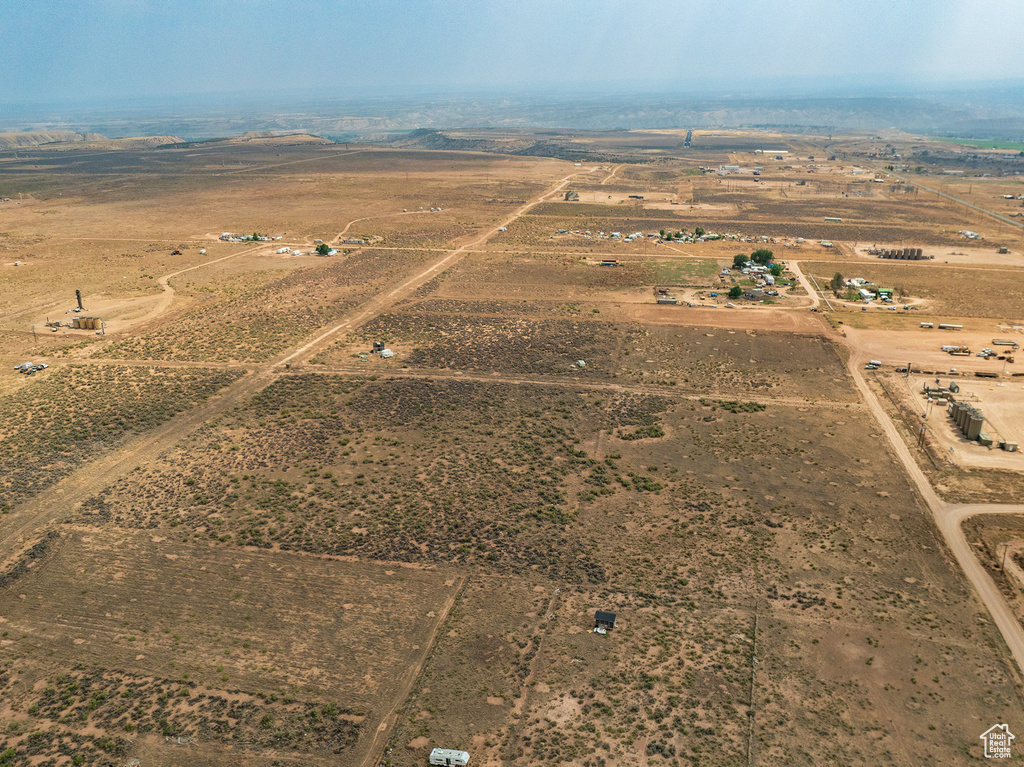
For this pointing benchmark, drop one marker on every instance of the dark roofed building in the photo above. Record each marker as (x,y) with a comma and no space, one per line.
(604,620)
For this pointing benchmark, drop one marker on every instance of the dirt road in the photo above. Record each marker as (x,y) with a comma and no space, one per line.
(27,520)
(373,750)
(348,226)
(375,306)
(576,384)
(794,266)
(948,518)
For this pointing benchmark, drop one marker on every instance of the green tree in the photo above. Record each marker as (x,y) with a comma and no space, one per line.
(735,291)
(761,256)
(323,248)
(739,260)
(698,232)
(837,282)
(776,270)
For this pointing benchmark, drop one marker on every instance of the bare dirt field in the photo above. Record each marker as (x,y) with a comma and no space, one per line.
(1003,406)
(234,536)
(248,648)
(971,473)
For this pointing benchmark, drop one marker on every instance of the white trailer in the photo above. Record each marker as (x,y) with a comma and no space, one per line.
(449,757)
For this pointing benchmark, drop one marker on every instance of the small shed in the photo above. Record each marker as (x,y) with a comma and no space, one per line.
(449,757)
(604,620)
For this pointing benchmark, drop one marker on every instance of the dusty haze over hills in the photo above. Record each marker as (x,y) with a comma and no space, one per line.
(990,111)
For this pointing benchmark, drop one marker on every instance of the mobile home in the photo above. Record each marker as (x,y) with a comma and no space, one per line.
(449,757)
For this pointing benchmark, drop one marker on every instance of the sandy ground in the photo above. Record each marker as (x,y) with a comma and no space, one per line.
(722,317)
(966,255)
(923,348)
(1003,398)
(1003,406)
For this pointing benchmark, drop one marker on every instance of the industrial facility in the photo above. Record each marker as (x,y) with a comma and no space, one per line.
(969,419)
(900,254)
(78,322)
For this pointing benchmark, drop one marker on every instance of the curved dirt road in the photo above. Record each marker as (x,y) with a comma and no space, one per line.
(794,266)
(348,226)
(948,519)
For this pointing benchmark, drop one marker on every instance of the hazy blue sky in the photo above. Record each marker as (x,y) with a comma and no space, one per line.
(62,49)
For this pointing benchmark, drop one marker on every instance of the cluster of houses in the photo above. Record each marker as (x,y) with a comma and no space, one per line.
(229,237)
(725,170)
(868,291)
(757,272)
(684,237)
(764,281)
(295,252)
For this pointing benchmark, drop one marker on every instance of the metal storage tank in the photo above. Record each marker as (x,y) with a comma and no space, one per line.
(974,425)
(965,418)
(961,417)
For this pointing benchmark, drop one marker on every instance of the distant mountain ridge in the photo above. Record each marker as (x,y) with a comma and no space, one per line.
(965,114)
(71,139)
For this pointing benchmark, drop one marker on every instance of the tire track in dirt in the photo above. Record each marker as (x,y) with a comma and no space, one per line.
(654,391)
(165,300)
(348,226)
(375,749)
(521,704)
(28,519)
(607,179)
